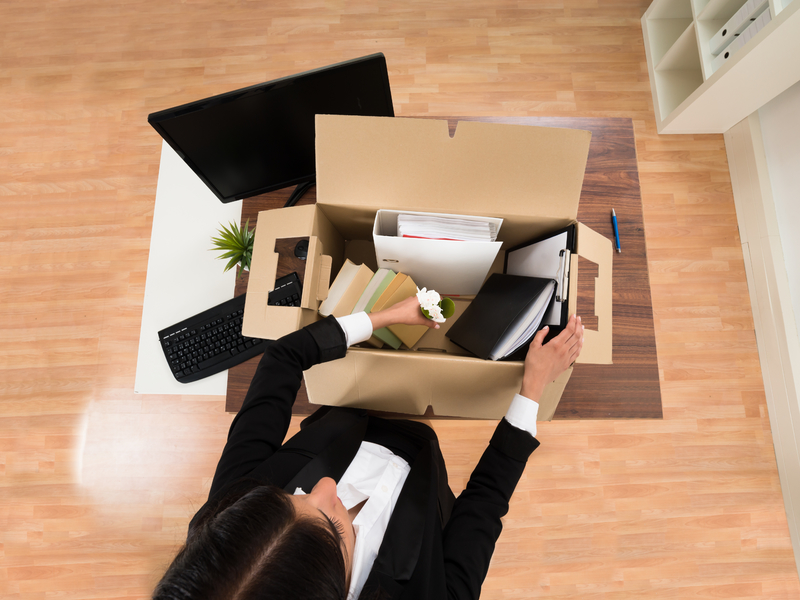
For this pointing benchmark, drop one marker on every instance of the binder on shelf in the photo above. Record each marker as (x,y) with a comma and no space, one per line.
(752,29)
(748,13)
(504,316)
(547,257)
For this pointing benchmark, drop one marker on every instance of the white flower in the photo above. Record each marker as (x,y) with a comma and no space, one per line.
(436,314)
(429,301)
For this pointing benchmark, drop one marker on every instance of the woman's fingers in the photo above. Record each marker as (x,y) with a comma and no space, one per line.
(539,337)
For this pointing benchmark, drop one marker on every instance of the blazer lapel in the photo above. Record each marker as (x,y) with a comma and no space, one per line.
(340,432)
(333,458)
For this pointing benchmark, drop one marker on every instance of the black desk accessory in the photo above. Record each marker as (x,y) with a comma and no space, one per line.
(499,307)
(299,192)
(288,291)
(301,249)
(209,342)
(261,138)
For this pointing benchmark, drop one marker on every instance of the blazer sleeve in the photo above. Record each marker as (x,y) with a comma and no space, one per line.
(260,427)
(471,533)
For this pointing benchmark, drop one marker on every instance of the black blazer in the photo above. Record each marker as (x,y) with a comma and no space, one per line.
(436,546)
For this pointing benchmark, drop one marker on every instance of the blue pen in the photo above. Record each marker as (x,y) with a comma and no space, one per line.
(616,230)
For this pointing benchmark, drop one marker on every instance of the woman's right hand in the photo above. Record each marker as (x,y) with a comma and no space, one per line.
(405,312)
(544,363)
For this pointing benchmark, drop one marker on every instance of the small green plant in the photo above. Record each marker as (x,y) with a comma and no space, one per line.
(236,244)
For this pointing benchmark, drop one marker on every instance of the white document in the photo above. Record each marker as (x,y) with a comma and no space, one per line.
(444,228)
(183,276)
(455,268)
(545,259)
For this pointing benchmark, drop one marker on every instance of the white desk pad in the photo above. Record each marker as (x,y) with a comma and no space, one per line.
(183,276)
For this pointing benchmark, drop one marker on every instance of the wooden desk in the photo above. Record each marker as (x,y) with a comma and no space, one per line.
(630,387)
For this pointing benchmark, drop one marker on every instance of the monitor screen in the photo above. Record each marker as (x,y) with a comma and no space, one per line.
(261,138)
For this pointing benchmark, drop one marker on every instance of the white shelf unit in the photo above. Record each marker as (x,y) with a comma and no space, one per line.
(688,97)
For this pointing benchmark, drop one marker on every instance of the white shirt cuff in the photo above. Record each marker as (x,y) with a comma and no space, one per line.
(522,414)
(357,328)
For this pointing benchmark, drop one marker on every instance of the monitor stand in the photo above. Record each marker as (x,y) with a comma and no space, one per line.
(299,191)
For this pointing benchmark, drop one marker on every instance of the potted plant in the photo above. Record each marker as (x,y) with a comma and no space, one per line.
(236,244)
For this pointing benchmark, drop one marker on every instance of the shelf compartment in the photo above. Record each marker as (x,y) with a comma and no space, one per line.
(674,87)
(682,54)
(678,73)
(706,29)
(664,33)
(721,10)
(666,22)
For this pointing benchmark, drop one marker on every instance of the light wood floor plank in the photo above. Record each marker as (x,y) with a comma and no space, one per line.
(97,484)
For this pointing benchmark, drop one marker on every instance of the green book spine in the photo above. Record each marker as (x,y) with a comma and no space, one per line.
(381,288)
(388,337)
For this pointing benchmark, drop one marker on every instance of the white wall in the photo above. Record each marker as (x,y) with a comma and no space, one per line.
(764,235)
(780,130)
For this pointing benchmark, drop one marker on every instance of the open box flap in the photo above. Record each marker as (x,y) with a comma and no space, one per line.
(453,386)
(414,164)
(597,347)
(272,322)
(361,379)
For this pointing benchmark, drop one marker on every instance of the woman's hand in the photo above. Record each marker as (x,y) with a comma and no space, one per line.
(405,312)
(544,363)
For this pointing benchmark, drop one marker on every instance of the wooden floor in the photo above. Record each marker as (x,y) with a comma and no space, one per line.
(98,484)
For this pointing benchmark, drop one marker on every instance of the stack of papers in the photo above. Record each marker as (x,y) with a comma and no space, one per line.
(445,228)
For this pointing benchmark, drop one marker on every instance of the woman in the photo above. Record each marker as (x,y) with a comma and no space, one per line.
(353,506)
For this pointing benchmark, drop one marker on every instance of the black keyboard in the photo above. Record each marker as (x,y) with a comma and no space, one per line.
(288,291)
(209,342)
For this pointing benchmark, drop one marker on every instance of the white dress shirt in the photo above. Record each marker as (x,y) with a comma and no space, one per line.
(377,475)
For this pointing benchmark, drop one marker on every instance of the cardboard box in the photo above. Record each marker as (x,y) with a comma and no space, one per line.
(531,177)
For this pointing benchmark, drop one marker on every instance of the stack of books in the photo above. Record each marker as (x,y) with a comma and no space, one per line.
(356,288)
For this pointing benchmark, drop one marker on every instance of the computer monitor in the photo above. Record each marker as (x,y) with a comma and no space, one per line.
(261,138)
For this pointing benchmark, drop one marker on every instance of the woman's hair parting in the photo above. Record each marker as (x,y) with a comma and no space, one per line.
(252,545)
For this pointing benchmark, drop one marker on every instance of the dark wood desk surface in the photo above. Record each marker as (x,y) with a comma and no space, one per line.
(629,388)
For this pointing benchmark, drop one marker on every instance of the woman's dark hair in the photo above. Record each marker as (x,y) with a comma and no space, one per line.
(253,545)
